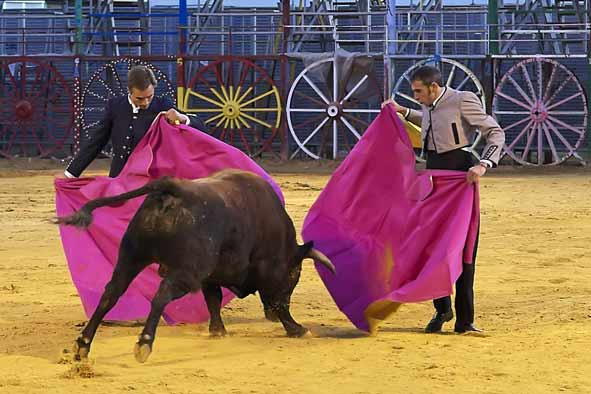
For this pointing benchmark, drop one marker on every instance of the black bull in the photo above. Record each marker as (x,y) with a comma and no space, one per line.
(228,230)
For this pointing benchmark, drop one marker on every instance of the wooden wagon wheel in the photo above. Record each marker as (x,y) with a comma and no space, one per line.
(542,107)
(36,108)
(238,101)
(325,119)
(110,81)
(454,75)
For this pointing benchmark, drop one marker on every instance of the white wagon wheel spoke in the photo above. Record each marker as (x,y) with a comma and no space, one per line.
(345,114)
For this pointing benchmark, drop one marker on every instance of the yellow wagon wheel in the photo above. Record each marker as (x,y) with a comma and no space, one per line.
(238,101)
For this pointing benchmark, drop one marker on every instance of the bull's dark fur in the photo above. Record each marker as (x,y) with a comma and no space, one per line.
(228,230)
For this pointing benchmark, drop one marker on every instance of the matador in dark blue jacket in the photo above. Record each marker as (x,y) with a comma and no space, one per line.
(126,121)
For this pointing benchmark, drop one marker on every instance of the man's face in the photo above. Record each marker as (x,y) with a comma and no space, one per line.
(425,94)
(142,98)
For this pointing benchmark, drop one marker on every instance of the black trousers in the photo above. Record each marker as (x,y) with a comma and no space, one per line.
(464,303)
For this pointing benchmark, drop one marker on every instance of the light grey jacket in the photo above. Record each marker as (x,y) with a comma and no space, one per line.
(455,116)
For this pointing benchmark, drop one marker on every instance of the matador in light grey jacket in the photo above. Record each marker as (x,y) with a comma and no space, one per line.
(454,118)
(449,119)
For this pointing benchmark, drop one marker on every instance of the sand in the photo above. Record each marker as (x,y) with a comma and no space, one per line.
(533,287)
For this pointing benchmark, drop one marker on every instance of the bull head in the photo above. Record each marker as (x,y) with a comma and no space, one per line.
(317,256)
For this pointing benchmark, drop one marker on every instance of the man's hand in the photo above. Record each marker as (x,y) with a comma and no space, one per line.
(175,117)
(474,173)
(390,101)
(397,106)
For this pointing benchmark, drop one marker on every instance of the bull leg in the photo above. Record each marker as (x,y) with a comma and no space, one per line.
(270,314)
(213,298)
(169,290)
(125,271)
(281,309)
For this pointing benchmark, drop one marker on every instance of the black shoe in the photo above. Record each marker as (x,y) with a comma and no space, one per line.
(469,329)
(437,322)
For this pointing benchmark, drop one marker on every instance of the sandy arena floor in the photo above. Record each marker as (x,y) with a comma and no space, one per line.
(533,296)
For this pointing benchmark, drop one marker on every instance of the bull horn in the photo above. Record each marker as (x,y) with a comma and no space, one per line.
(321,258)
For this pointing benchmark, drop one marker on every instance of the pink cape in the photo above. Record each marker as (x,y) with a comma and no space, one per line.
(395,235)
(180,151)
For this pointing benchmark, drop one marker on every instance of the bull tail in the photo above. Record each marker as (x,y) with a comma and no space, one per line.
(308,251)
(83,217)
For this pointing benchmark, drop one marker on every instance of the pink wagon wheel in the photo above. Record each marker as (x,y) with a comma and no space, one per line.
(238,101)
(36,109)
(542,107)
(110,81)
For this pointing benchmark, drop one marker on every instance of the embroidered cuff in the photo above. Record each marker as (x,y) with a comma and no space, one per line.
(69,175)
(489,152)
(407,113)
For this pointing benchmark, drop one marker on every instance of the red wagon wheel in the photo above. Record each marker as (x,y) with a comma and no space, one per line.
(36,109)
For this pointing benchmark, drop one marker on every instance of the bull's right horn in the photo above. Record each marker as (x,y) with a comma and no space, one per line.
(321,258)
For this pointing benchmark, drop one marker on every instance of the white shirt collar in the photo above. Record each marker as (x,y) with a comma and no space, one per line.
(134,107)
(439,97)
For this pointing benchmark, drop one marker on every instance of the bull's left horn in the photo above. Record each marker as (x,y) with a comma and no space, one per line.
(321,258)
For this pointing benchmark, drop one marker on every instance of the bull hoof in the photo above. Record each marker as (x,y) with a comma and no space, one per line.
(142,351)
(218,333)
(299,333)
(81,349)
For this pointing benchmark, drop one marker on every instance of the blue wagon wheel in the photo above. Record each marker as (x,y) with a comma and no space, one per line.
(110,81)
(455,75)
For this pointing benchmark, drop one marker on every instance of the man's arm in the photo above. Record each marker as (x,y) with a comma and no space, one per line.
(174,114)
(412,115)
(475,116)
(196,122)
(91,147)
